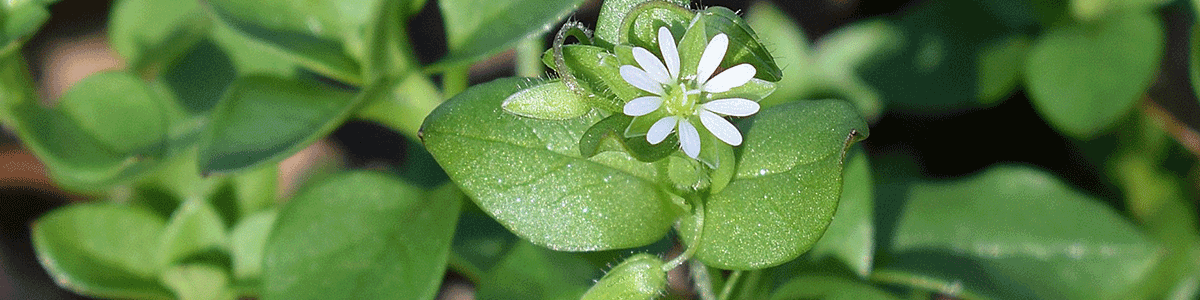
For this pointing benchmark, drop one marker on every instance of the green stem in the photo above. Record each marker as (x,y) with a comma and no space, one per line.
(455,80)
(730,283)
(695,244)
(529,57)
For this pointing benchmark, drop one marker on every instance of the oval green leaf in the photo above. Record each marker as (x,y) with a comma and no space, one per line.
(118,110)
(265,119)
(786,187)
(550,100)
(360,225)
(829,287)
(247,242)
(194,227)
(1082,78)
(1010,222)
(528,174)
(102,250)
(199,282)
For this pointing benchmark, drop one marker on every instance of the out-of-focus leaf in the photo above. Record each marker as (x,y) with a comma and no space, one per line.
(359,225)
(102,250)
(195,227)
(118,110)
(19,20)
(478,28)
(532,272)
(178,25)
(544,190)
(1093,10)
(935,70)
(327,36)
(247,243)
(829,287)
(75,158)
(199,282)
(1082,78)
(1027,231)
(1000,64)
(851,236)
(786,187)
(265,119)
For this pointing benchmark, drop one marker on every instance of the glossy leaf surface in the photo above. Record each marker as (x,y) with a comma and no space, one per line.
(528,174)
(785,189)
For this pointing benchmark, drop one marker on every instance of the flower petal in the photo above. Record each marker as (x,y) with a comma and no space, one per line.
(643,105)
(730,78)
(689,139)
(670,52)
(653,67)
(640,79)
(711,58)
(659,131)
(732,107)
(721,128)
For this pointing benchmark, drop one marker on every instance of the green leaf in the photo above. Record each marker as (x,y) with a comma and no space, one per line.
(247,242)
(326,36)
(829,287)
(851,236)
(118,110)
(788,45)
(178,25)
(608,135)
(532,272)
(265,119)
(20,20)
(480,244)
(194,228)
(1023,226)
(827,69)
(1093,10)
(934,70)
(1195,57)
(1000,67)
(75,158)
(638,277)
(1082,78)
(199,282)
(612,16)
(528,174)
(476,29)
(101,250)
(550,100)
(786,187)
(359,225)
(744,45)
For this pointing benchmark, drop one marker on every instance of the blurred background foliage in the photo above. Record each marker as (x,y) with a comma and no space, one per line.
(1020,149)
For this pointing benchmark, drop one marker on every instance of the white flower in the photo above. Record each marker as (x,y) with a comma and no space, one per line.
(679,96)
